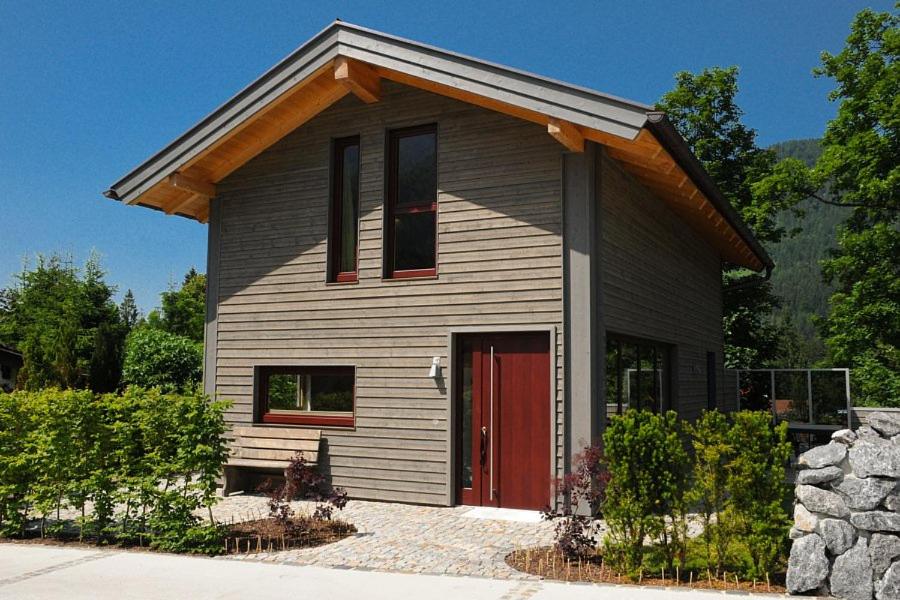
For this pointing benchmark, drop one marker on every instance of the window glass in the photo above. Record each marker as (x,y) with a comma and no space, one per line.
(297,394)
(637,373)
(411,206)
(416,170)
(349,208)
(466,416)
(414,241)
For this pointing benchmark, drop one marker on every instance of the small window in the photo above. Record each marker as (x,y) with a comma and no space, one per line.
(637,374)
(307,395)
(411,207)
(343,248)
(5,372)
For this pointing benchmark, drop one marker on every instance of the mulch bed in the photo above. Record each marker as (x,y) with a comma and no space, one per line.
(269,535)
(549,563)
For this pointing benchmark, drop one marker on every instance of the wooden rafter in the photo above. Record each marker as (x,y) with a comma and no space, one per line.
(566,134)
(192,184)
(358,78)
(644,156)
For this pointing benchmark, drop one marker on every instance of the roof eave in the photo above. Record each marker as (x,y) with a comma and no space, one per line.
(661,127)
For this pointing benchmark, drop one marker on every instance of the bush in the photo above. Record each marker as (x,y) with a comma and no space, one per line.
(645,497)
(757,490)
(147,461)
(579,496)
(157,358)
(735,478)
(711,441)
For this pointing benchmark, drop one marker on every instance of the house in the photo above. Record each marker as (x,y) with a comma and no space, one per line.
(451,268)
(10,363)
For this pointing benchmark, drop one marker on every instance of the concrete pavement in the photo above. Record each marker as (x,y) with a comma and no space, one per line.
(30,571)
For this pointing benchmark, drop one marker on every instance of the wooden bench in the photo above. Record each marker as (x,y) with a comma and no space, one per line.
(267,449)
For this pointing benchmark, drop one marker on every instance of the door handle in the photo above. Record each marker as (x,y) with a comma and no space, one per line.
(483,445)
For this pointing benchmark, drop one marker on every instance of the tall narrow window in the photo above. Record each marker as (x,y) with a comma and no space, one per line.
(637,374)
(344,244)
(411,207)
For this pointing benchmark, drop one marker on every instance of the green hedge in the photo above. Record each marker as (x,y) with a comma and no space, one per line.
(734,478)
(136,467)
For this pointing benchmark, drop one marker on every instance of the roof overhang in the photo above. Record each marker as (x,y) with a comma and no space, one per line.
(345,59)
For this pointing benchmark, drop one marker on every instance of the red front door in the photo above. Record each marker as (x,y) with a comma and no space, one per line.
(503,408)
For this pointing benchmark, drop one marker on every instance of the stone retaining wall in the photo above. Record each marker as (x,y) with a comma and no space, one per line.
(847,516)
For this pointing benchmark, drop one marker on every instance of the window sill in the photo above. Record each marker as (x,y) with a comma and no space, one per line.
(323,421)
(349,282)
(412,277)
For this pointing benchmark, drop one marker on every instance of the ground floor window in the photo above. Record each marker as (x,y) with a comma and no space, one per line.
(637,374)
(307,395)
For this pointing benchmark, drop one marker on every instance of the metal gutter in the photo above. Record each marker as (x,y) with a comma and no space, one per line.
(660,126)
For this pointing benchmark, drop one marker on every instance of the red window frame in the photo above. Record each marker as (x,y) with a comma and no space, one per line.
(335,244)
(391,208)
(308,418)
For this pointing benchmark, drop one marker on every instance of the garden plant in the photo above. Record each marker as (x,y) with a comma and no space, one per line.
(656,479)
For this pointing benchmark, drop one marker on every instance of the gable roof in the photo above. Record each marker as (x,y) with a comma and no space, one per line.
(344,58)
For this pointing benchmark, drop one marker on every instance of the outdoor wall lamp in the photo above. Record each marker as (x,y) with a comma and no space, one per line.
(435,372)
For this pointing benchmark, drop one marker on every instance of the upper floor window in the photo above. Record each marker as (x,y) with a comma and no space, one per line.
(343,248)
(411,207)
(306,395)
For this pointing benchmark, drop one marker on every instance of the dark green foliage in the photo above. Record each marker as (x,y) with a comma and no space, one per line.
(710,438)
(128,312)
(703,108)
(757,488)
(860,162)
(184,309)
(797,278)
(734,479)
(645,496)
(65,323)
(157,358)
(146,461)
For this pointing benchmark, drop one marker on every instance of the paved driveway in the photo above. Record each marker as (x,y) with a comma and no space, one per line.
(410,539)
(38,572)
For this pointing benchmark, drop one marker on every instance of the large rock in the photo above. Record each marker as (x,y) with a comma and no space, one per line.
(804,520)
(871,459)
(807,565)
(822,501)
(822,456)
(876,520)
(864,432)
(839,535)
(851,574)
(844,436)
(817,476)
(892,502)
(887,424)
(888,588)
(883,549)
(864,494)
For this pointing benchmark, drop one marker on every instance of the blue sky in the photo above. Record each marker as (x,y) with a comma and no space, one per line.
(88,90)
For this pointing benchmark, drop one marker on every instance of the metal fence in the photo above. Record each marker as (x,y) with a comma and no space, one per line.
(808,399)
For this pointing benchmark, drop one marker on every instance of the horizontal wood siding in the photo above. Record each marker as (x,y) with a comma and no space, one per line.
(660,281)
(499,263)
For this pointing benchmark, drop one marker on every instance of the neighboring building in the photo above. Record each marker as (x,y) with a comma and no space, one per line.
(10,363)
(375,205)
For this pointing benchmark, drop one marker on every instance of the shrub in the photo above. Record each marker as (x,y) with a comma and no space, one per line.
(303,481)
(579,496)
(645,496)
(147,461)
(713,451)
(758,492)
(157,358)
